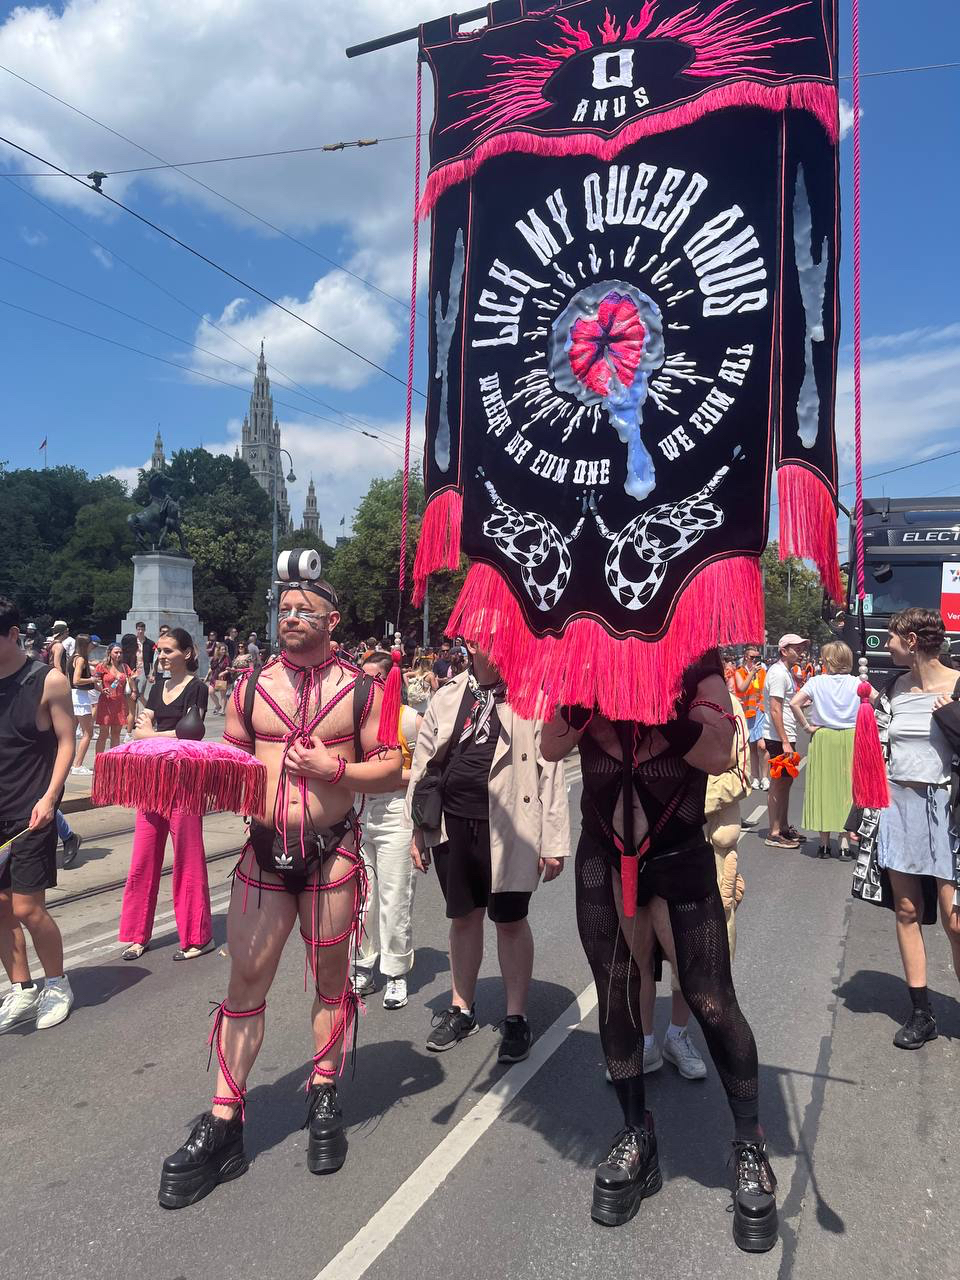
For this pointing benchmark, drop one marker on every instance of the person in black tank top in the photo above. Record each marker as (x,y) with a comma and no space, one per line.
(666,785)
(36,750)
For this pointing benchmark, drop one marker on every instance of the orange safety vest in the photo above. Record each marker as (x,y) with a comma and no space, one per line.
(752,700)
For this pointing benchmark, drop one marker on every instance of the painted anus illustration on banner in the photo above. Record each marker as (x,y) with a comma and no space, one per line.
(635,281)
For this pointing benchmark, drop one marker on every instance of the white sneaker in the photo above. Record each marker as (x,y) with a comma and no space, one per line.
(652,1058)
(755,784)
(81,769)
(19,1006)
(56,1001)
(364,983)
(395,993)
(765,784)
(682,1052)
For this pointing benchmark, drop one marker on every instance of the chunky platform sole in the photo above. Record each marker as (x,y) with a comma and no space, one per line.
(612,1207)
(326,1155)
(755,1235)
(178,1190)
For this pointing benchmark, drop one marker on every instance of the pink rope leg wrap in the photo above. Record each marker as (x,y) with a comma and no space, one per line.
(237,1095)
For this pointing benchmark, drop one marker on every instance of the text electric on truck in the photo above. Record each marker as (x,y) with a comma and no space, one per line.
(911,557)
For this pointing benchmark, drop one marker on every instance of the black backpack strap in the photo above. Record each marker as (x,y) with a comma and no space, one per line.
(361,692)
(249,697)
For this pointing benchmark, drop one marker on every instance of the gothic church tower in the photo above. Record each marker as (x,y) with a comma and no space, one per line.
(261,443)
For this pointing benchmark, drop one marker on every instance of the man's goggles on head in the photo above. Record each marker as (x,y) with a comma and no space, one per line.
(300,571)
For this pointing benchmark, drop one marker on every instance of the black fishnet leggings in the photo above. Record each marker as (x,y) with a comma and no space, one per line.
(703,971)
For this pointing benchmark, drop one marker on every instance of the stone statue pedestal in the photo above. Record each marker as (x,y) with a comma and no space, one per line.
(163,594)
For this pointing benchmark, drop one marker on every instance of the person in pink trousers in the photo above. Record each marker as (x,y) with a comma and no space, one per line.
(176,693)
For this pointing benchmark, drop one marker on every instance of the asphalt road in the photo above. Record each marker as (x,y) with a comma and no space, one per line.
(460,1167)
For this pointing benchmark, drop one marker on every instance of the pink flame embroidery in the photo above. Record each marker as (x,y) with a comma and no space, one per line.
(726,41)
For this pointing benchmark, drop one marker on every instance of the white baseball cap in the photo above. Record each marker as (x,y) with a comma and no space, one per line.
(792,639)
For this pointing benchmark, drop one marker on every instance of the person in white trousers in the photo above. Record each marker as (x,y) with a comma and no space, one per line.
(388,929)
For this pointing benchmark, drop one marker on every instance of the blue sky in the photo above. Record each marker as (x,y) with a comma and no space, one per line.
(197,78)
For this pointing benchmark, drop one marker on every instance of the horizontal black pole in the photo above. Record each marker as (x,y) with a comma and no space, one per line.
(401,37)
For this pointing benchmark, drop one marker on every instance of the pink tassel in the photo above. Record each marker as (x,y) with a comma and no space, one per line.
(439,545)
(819,99)
(870,790)
(629,874)
(625,677)
(388,729)
(808,523)
(163,775)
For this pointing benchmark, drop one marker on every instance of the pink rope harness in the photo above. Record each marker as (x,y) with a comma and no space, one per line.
(237,1096)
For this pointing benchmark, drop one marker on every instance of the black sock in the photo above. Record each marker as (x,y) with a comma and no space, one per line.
(28,985)
(746,1119)
(920,998)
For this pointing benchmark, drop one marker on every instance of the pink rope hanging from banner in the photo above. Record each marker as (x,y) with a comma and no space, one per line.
(857,407)
(405,504)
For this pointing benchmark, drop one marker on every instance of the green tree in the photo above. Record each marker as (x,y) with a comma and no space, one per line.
(364,570)
(793,598)
(92,574)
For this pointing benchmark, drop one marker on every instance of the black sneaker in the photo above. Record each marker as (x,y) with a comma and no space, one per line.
(755,1225)
(327,1147)
(630,1173)
(71,847)
(920,1027)
(450,1027)
(212,1154)
(517,1039)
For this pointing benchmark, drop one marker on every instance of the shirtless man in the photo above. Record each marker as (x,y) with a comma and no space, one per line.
(304,718)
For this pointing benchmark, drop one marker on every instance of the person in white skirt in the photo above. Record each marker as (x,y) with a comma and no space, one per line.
(388,928)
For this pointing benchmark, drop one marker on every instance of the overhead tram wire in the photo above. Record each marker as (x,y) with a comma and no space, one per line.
(174,364)
(216,265)
(213,191)
(304,391)
(188,164)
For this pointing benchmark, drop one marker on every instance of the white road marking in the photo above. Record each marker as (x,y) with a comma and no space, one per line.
(359,1254)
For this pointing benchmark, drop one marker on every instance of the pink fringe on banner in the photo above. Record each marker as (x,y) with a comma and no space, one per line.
(819,99)
(163,775)
(627,678)
(870,790)
(808,523)
(439,545)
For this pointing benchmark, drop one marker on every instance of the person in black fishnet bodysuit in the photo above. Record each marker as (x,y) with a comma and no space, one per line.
(669,779)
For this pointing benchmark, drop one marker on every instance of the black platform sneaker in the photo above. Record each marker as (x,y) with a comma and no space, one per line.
(212,1154)
(327,1146)
(630,1173)
(755,1225)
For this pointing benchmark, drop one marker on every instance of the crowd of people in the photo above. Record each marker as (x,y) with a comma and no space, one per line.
(358,807)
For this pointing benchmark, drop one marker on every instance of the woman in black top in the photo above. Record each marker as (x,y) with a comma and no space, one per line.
(176,695)
(677,876)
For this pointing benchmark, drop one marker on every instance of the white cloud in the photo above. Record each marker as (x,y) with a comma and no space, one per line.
(337,304)
(846,117)
(198,78)
(911,396)
(33,238)
(105,259)
(128,476)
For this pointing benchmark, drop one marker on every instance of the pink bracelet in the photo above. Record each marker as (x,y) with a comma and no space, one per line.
(341,770)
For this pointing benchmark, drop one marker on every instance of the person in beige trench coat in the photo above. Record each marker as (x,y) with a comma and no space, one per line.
(525,835)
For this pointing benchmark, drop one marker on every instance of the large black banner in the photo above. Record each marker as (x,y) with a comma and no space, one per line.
(633,320)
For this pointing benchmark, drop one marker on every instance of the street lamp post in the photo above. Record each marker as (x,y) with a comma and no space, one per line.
(272,601)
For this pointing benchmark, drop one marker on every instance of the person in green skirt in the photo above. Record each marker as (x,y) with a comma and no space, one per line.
(826,707)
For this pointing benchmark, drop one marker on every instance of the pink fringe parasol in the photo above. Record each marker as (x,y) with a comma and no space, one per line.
(163,775)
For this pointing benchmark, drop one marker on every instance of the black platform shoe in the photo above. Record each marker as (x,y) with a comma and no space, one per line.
(755,1226)
(630,1173)
(212,1154)
(920,1027)
(327,1147)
